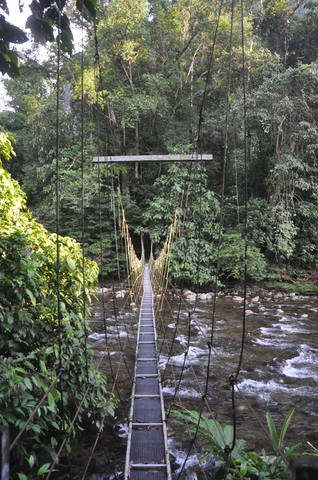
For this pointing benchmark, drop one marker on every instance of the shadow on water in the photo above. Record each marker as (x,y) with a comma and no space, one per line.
(280,371)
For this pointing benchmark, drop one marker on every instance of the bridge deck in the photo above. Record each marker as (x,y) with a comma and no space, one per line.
(147,455)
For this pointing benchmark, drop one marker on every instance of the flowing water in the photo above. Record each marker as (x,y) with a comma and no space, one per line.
(279,371)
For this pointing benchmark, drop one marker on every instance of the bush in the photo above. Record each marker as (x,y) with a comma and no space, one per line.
(231,259)
(34,344)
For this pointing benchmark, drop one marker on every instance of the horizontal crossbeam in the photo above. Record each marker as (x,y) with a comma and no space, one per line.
(148,466)
(153,158)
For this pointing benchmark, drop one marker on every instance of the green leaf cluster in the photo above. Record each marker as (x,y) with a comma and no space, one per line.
(237,463)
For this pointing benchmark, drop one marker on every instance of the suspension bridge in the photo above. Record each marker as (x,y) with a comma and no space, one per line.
(147,456)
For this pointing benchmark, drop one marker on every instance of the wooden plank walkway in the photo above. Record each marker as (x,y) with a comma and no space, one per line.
(147,456)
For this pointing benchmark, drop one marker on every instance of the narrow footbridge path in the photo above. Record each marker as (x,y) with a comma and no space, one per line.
(147,455)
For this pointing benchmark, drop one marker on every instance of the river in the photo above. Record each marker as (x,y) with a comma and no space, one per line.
(279,371)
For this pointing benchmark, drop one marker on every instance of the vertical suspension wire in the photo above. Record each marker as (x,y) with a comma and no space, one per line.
(184,208)
(83,220)
(98,83)
(199,146)
(112,373)
(198,143)
(245,185)
(199,236)
(234,378)
(57,226)
(115,228)
(222,202)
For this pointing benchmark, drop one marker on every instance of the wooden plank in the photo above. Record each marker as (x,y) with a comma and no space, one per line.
(153,158)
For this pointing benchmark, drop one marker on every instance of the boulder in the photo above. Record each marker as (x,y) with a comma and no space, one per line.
(202,296)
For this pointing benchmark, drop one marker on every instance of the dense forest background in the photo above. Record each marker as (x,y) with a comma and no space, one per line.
(158,74)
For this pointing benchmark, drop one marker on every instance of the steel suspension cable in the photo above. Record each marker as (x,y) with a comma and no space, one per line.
(97,83)
(57,226)
(83,226)
(234,377)
(199,145)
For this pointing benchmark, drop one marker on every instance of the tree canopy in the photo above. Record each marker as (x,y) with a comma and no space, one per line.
(152,71)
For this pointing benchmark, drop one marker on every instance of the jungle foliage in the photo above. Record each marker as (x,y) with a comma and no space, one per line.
(42,352)
(242,464)
(145,76)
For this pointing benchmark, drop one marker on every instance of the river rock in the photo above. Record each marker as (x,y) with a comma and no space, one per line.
(236,298)
(120,294)
(203,296)
(304,315)
(278,295)
(262,309)
(190,296)
(279,310)
(242,408)
(187,292)
(249,312)
(255,299)
(104,290)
